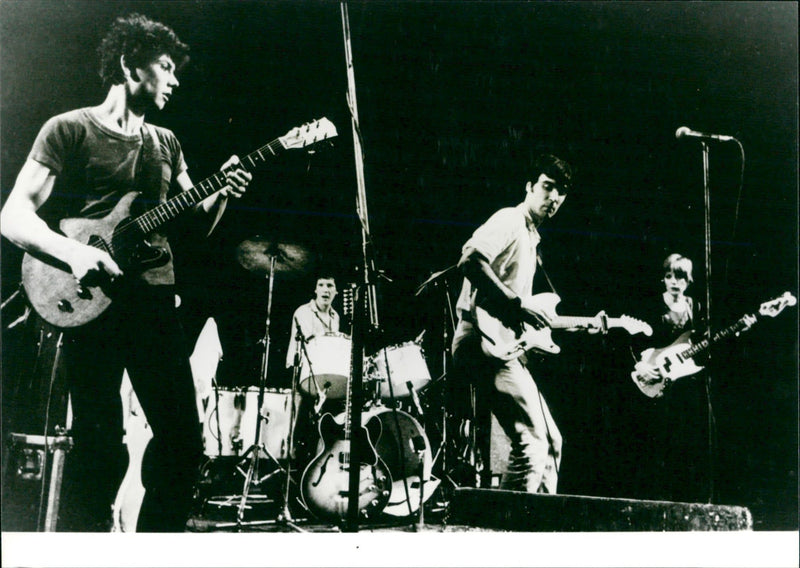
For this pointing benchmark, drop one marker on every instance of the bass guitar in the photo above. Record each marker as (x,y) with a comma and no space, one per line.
(506,344)
(62,301)
(677,360)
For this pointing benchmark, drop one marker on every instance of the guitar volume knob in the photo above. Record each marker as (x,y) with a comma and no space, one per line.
(84,293)
(65,306)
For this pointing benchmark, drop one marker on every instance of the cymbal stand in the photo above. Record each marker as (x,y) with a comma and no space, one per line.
(449,435)
(255,450)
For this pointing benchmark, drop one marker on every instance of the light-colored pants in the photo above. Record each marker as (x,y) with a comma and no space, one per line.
(521,411)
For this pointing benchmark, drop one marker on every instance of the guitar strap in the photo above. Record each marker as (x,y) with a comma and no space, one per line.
(544,272)
(153,171)
(154,182)
(551,448)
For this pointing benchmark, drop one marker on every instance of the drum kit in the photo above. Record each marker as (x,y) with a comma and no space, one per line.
(256,425)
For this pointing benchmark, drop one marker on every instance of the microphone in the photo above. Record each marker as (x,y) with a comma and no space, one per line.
(686,132)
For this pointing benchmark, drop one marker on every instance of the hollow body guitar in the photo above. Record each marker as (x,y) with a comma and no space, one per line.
(326,480)
(62,301)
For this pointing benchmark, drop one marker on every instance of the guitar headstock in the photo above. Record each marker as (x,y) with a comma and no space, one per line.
(634,326)
(308,134)
(773,307)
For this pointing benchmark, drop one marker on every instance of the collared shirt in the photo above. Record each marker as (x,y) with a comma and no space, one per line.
(313,323)
(508,240)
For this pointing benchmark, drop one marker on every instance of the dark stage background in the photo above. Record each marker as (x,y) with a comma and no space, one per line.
(454,98)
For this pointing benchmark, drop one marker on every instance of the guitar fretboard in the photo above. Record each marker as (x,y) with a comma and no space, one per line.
(151,220)
(567,322)
(701,346)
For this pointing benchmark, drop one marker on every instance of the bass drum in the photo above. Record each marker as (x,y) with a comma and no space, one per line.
(229,428)
(403,447)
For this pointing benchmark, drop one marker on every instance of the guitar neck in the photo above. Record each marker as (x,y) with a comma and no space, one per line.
(701,346)
(185,200)
(567,322)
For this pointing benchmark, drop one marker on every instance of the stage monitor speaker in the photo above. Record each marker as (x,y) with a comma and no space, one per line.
(515,511)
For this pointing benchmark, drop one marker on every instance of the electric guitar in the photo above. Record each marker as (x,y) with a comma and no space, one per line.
(62,301)
(676,360)
(506,344)
(325,485)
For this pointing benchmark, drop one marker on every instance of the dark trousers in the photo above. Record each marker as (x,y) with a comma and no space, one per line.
(140,333)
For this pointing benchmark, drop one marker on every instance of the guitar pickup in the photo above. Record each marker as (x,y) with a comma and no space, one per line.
(84,293)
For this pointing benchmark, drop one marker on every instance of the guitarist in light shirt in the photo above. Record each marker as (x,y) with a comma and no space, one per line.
(82,163)
(499,263)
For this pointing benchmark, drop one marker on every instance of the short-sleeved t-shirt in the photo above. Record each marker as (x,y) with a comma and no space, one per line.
(508,240)
(97,166)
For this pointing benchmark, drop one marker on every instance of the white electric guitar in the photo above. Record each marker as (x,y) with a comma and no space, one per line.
(500,342)
(677,360)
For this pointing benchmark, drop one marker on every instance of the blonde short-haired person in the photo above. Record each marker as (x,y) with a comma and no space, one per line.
(667,437)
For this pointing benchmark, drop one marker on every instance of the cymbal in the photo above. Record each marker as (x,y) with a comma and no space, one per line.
(255,254)
(433,278)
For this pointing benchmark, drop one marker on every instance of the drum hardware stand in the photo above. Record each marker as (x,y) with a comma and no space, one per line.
(321,393)
(254,451)
(400,446)
(219,426)
(450,435)
(421,517)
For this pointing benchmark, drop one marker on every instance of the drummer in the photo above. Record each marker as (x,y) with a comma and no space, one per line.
(315,318)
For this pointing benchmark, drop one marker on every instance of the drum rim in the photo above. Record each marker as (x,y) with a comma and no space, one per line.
(251,388)
(338,334)
(395,346)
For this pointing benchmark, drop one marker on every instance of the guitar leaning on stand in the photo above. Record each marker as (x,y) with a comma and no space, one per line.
(677,360)
(62,301)
(326,481)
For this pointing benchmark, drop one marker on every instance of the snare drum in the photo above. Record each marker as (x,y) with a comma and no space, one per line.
(327,365)
(406,363)
(229,428)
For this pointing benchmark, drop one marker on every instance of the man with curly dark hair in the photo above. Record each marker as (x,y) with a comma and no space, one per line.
(85,162)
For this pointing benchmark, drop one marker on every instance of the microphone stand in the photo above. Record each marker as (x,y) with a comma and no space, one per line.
(365,296)
(707,250)
(439,281)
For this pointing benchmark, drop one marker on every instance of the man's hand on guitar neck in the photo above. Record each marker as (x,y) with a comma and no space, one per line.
(599,324)
(237,178)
